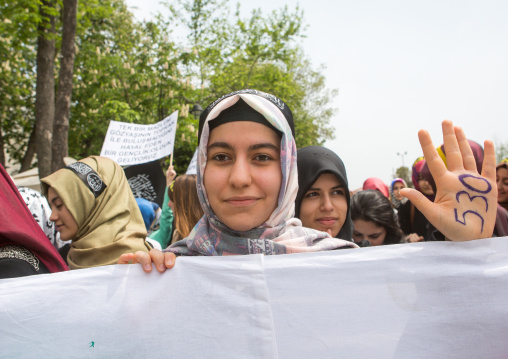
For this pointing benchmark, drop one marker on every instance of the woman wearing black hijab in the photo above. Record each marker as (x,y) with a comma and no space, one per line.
(323,198)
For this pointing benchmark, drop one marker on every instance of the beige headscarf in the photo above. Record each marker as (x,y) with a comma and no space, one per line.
(108,217)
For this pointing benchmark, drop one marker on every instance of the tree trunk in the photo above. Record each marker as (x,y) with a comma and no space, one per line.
(30,152)
(63,99)
(45,89)
(2,153)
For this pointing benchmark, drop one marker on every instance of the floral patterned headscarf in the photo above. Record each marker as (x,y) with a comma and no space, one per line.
(281,233)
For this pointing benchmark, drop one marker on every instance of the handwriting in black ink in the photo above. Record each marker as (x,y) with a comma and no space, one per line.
(472,198)
(464,217)
(463,177)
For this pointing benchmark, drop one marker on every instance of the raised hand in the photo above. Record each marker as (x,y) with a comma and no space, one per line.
(170,175)
(466,202)
(161,260)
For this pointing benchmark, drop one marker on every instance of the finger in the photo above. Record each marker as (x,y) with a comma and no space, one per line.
(452,149)
(126,258)
(436,166)
(489,161)
(169,259)
(144,259)
(421,202)
(468,159)
(158,259)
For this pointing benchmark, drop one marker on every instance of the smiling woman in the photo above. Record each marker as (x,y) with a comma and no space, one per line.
(247,185)
(323,197)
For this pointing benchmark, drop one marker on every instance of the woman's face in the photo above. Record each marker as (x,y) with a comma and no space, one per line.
(64,221)
(502,184)
(243,173)
(425,186)
(324,206)
(370,231)
(396,190)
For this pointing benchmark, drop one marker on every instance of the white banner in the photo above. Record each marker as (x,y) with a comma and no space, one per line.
(421,300)
(131,144)
(193,165)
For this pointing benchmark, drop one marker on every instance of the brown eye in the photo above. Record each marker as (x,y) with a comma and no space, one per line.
(220,157)
(311,194)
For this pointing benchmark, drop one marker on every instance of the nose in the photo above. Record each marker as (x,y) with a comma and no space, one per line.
(240,175)
(326,203)
(53,216)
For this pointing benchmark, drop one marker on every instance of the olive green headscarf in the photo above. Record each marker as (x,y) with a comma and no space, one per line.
(108,217)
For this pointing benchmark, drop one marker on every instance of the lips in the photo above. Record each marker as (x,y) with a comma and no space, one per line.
(241,201)
(327,221)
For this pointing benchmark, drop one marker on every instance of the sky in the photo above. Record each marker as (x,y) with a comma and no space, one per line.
(401,66)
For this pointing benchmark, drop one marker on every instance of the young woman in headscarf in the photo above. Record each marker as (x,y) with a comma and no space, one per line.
(323,200)
(247,184)
(24,248)
(502,183)
(395,196)
(93,205)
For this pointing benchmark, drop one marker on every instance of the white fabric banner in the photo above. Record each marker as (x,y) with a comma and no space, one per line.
(421,300)
(131,144)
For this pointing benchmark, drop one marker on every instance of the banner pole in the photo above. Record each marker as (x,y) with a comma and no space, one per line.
(171,160)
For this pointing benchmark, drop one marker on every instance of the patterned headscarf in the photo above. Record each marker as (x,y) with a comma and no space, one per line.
(281,233)
(396,202)
(97,194)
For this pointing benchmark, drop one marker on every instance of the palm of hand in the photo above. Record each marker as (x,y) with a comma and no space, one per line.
(465,206)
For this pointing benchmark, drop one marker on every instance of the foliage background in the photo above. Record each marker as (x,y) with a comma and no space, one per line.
(132,71)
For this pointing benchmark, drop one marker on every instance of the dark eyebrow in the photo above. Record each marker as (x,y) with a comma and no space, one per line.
(264,145)
(336,187)
(223,145)
(257,146)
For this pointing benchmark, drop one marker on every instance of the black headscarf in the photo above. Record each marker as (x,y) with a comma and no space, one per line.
(313,161)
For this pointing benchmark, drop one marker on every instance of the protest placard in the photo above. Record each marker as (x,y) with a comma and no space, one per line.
(130,144)
(147,181)
(192,169)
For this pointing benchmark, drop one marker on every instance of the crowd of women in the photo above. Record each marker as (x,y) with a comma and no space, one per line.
(253,193)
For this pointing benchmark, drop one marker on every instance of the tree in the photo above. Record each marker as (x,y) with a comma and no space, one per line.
(501,151)
(63,97)
(45,88)
(404,173)
(137,72)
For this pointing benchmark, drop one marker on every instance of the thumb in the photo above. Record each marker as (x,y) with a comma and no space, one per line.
(421,202)
(329,231)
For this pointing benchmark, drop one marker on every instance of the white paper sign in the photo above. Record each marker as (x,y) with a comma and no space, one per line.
(193,165)
(131,144)
(418,301)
